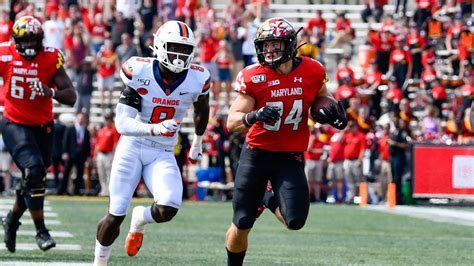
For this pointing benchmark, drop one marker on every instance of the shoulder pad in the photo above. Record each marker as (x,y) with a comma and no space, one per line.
(202,77)
(132,68)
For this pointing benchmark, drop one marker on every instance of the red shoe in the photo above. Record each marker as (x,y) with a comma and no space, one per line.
(262,207)
(133,243)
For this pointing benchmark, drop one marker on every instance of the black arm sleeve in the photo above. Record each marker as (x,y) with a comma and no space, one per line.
(131,98)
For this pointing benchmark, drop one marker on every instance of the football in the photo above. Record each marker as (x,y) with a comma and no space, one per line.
(320,102)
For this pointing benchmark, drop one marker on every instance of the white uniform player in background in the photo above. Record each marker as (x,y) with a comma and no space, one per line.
(157,94)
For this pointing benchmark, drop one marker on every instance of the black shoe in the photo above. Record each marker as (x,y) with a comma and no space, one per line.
(44,240)
(10,226)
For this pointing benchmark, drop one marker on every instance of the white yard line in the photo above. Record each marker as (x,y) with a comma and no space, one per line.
(32,263)
(9,207)
(28,221)
(430,213)
(60,234)
(46,214)
(31,246)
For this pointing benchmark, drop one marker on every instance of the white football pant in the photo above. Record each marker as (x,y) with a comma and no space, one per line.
(136,157)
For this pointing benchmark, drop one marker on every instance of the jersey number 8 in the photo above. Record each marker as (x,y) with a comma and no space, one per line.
(161,113)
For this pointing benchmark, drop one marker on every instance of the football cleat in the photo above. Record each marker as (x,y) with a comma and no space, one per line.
(262,207)
(133,243)
(44,240)
(10,227)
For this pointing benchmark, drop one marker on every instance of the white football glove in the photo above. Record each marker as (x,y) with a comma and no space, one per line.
(195,153)
(167,128)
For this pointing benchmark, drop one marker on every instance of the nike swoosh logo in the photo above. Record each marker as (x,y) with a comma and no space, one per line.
(183,93)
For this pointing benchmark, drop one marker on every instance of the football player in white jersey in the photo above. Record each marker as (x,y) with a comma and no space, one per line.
(156,97)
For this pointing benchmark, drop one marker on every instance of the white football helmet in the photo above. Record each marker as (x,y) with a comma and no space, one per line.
(173,32)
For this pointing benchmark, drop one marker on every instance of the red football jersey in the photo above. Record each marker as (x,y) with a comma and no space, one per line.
(22,105)
(292,93)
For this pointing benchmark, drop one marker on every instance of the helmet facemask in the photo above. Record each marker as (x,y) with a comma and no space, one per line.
(28,47)
(174,56)
(273,51)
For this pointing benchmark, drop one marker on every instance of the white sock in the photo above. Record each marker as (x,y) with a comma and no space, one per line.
(147,216)
(138,219)
(101,254)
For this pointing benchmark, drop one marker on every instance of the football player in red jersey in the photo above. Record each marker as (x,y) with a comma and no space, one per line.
(273,102)
(33,75)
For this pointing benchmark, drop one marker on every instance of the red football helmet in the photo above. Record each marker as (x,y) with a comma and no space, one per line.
(28,36)
(275,29)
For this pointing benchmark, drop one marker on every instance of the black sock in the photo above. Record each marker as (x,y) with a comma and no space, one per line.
(39,224)
(235,259)
(270,201)
(14,216)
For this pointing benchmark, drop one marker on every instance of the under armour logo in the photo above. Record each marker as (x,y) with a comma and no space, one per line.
(34,64)
(299,79)
(337,123)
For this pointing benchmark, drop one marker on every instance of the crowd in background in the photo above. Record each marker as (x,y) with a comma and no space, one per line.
(409,80)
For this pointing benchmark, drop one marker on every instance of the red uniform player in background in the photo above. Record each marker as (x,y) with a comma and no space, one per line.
(33,76)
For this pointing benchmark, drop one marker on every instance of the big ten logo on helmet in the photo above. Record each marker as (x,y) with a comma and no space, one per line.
(259,78)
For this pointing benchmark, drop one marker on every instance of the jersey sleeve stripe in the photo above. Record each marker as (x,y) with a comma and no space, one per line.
(126,72)
(207,85)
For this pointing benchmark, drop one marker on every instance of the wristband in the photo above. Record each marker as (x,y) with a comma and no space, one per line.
(53,93)
(249,119)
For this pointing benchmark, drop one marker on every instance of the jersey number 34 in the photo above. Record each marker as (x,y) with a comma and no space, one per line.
(294,117)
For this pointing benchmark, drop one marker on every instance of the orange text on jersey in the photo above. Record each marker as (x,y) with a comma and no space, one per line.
(165,101)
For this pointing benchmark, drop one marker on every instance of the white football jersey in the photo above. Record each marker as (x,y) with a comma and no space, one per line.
(162,101)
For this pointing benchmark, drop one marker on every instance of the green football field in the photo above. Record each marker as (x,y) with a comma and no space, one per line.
(332,235)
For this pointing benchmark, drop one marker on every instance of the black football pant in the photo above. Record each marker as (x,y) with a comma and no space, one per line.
(285,171)
(30,148)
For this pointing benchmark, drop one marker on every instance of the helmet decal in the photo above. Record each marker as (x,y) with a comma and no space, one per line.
(275,29)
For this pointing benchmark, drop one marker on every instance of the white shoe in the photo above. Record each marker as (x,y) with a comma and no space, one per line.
(138,223)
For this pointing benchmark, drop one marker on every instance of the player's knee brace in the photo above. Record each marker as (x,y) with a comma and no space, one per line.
(161,213)
(33,182)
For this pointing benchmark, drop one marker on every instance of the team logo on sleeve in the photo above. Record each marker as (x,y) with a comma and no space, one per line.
(127,70)
(6,58)
(259,78)
(60,61)
(144,82)
(326,78)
